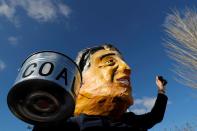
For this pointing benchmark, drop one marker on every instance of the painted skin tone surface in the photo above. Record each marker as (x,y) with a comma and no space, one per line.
(106,88)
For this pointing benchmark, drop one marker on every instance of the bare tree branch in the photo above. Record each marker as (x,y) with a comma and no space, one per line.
(181,44)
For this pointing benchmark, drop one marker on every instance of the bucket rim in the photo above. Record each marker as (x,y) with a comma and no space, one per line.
(56,53)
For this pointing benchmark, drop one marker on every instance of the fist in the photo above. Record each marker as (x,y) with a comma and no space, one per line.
(160,82)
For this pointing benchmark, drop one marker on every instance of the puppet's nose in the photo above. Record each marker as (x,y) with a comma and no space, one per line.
(125,68)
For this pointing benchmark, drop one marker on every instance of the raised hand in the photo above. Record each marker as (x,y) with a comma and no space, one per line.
(161,82)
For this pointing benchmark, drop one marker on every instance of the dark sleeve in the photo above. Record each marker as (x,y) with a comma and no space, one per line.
(62,126)
(148,120)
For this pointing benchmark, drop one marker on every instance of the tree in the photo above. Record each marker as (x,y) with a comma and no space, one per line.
(181,44)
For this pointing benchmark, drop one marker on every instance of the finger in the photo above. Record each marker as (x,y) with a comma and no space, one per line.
(160,78)
(157,78)
(164,82)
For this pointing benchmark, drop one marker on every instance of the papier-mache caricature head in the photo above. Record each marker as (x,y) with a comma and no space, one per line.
(106,88)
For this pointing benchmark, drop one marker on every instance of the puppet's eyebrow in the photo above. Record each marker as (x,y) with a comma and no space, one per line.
(105,55)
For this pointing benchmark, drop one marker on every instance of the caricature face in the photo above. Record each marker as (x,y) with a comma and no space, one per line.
(106,88)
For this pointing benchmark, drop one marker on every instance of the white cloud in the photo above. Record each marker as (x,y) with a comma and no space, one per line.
(13,40)
(139,110)
(64,10)
(2,65)
(6,10)
(149,102)
(39,10)
(142,105)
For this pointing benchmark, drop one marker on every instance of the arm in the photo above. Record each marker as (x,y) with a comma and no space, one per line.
(157,113)
(148,120)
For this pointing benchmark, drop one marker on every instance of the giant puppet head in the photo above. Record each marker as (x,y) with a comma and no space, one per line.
(106,88)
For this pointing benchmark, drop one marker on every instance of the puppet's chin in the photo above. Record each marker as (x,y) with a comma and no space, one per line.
(113,106)
(109,99)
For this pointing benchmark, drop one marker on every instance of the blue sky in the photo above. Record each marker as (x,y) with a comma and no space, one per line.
(133,26)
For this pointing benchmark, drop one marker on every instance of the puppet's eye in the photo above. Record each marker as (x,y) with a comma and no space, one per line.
(110,62)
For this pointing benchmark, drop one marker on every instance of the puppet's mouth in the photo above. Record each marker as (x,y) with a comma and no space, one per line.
(124,80)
